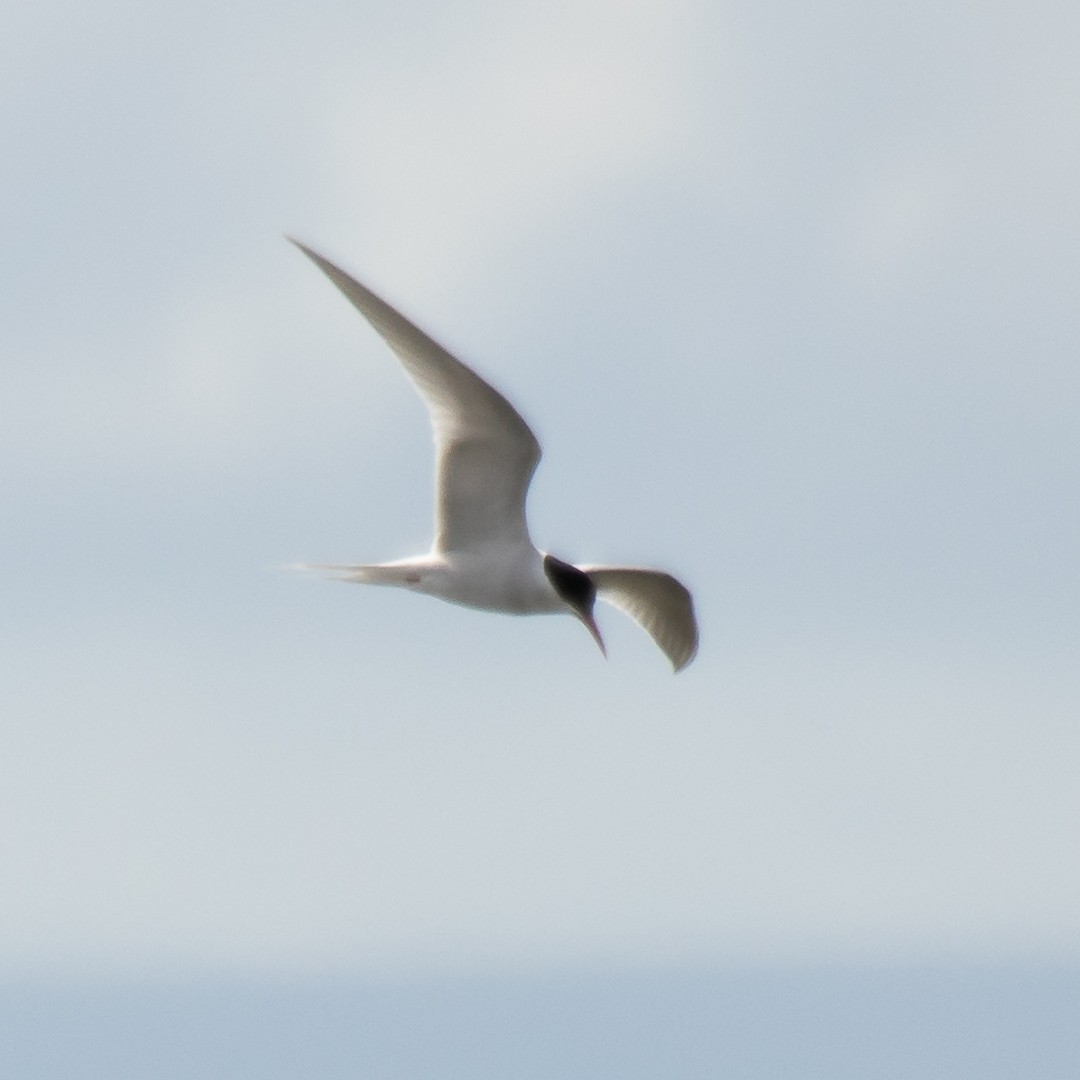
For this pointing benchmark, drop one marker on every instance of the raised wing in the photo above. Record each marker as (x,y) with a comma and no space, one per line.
(656,601)
(485,454)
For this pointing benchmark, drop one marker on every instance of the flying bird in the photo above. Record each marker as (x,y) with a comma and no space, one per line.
(485,456)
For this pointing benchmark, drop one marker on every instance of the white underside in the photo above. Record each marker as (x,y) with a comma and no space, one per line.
(494,579)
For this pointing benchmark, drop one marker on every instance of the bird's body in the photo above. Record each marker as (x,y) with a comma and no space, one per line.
(510,580)
(485,456)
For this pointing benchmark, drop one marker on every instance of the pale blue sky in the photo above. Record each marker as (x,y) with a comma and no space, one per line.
(790,299)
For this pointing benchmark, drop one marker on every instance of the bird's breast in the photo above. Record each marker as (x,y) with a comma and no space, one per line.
(497,580)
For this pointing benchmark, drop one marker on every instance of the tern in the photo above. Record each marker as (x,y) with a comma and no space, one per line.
(485,456)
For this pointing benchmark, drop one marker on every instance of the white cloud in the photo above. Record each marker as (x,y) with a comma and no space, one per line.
(447,156)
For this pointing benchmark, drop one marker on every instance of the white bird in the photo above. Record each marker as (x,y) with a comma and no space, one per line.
(485,456)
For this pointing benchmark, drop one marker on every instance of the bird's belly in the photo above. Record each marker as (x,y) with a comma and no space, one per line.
(515,588)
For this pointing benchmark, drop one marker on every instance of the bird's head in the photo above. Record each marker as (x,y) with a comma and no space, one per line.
(577,591)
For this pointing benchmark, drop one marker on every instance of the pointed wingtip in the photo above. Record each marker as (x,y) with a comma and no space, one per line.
(681,665)
(309,252)
(681,661)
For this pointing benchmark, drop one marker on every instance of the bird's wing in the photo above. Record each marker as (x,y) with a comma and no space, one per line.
(656,601)
(485,454)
